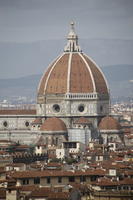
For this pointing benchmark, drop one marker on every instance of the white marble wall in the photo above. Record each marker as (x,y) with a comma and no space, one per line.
(15,122)
(71,108)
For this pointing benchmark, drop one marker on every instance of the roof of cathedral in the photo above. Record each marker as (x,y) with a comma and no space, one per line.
(109,123)
(37,121)
(56,173)
(53,124)
(18,112)
(73,72)
(82,120)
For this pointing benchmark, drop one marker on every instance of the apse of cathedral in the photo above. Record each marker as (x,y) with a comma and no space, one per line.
(72,98)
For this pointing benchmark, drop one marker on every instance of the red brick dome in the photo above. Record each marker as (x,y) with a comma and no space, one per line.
(53,124)
(37,121)
(72,72)
(109,123)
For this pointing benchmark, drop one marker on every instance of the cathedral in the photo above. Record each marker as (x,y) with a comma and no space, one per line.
(72,98)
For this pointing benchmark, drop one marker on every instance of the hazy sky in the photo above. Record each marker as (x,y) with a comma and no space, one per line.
(29,21)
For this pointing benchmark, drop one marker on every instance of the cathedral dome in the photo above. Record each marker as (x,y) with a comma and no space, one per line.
(72,72)
(53,124)
(109,123)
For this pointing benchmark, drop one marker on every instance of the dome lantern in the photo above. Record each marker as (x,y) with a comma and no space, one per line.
(72,44)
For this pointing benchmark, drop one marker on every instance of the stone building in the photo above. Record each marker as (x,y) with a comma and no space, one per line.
(72,87)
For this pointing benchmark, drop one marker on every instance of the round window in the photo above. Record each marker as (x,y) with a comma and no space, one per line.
(27,124)
(81,108)
(5,124)
(56,107)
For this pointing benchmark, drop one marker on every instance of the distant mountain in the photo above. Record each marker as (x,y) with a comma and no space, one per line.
(118,77)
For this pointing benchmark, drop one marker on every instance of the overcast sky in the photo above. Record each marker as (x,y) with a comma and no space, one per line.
(29,21)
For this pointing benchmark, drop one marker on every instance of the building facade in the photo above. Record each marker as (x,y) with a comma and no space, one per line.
(72,87)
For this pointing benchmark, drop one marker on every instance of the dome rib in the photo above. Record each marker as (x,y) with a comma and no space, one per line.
(73,73)
(44,77)
(49,74)
(92,78)
(80,79)
(57,80)
(69,72)
(99,78)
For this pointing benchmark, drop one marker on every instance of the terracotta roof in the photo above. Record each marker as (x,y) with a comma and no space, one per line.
(82,120)
(54,164)
(126,181)
(47,192)
(105,182)
(17,112)
(56,173)
(80,77)
(22,146)
(109,123)
(129,172)
(43,79)
(109,182)
(37,121)
(58,196)
(84,76)
(40,192)
(57,81)
(53,124)
(100,83)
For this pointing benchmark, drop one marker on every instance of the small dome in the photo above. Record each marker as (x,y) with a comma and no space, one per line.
(53,124)
(37,121)
(82,120)
(109,123)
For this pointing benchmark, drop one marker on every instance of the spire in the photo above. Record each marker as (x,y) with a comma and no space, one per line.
(72,40)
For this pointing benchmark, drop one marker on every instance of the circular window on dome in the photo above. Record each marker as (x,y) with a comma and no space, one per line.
(5,124)
(56,108)
(27,124)
(81,108)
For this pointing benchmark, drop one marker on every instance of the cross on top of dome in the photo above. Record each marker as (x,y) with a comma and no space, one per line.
(72,43)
